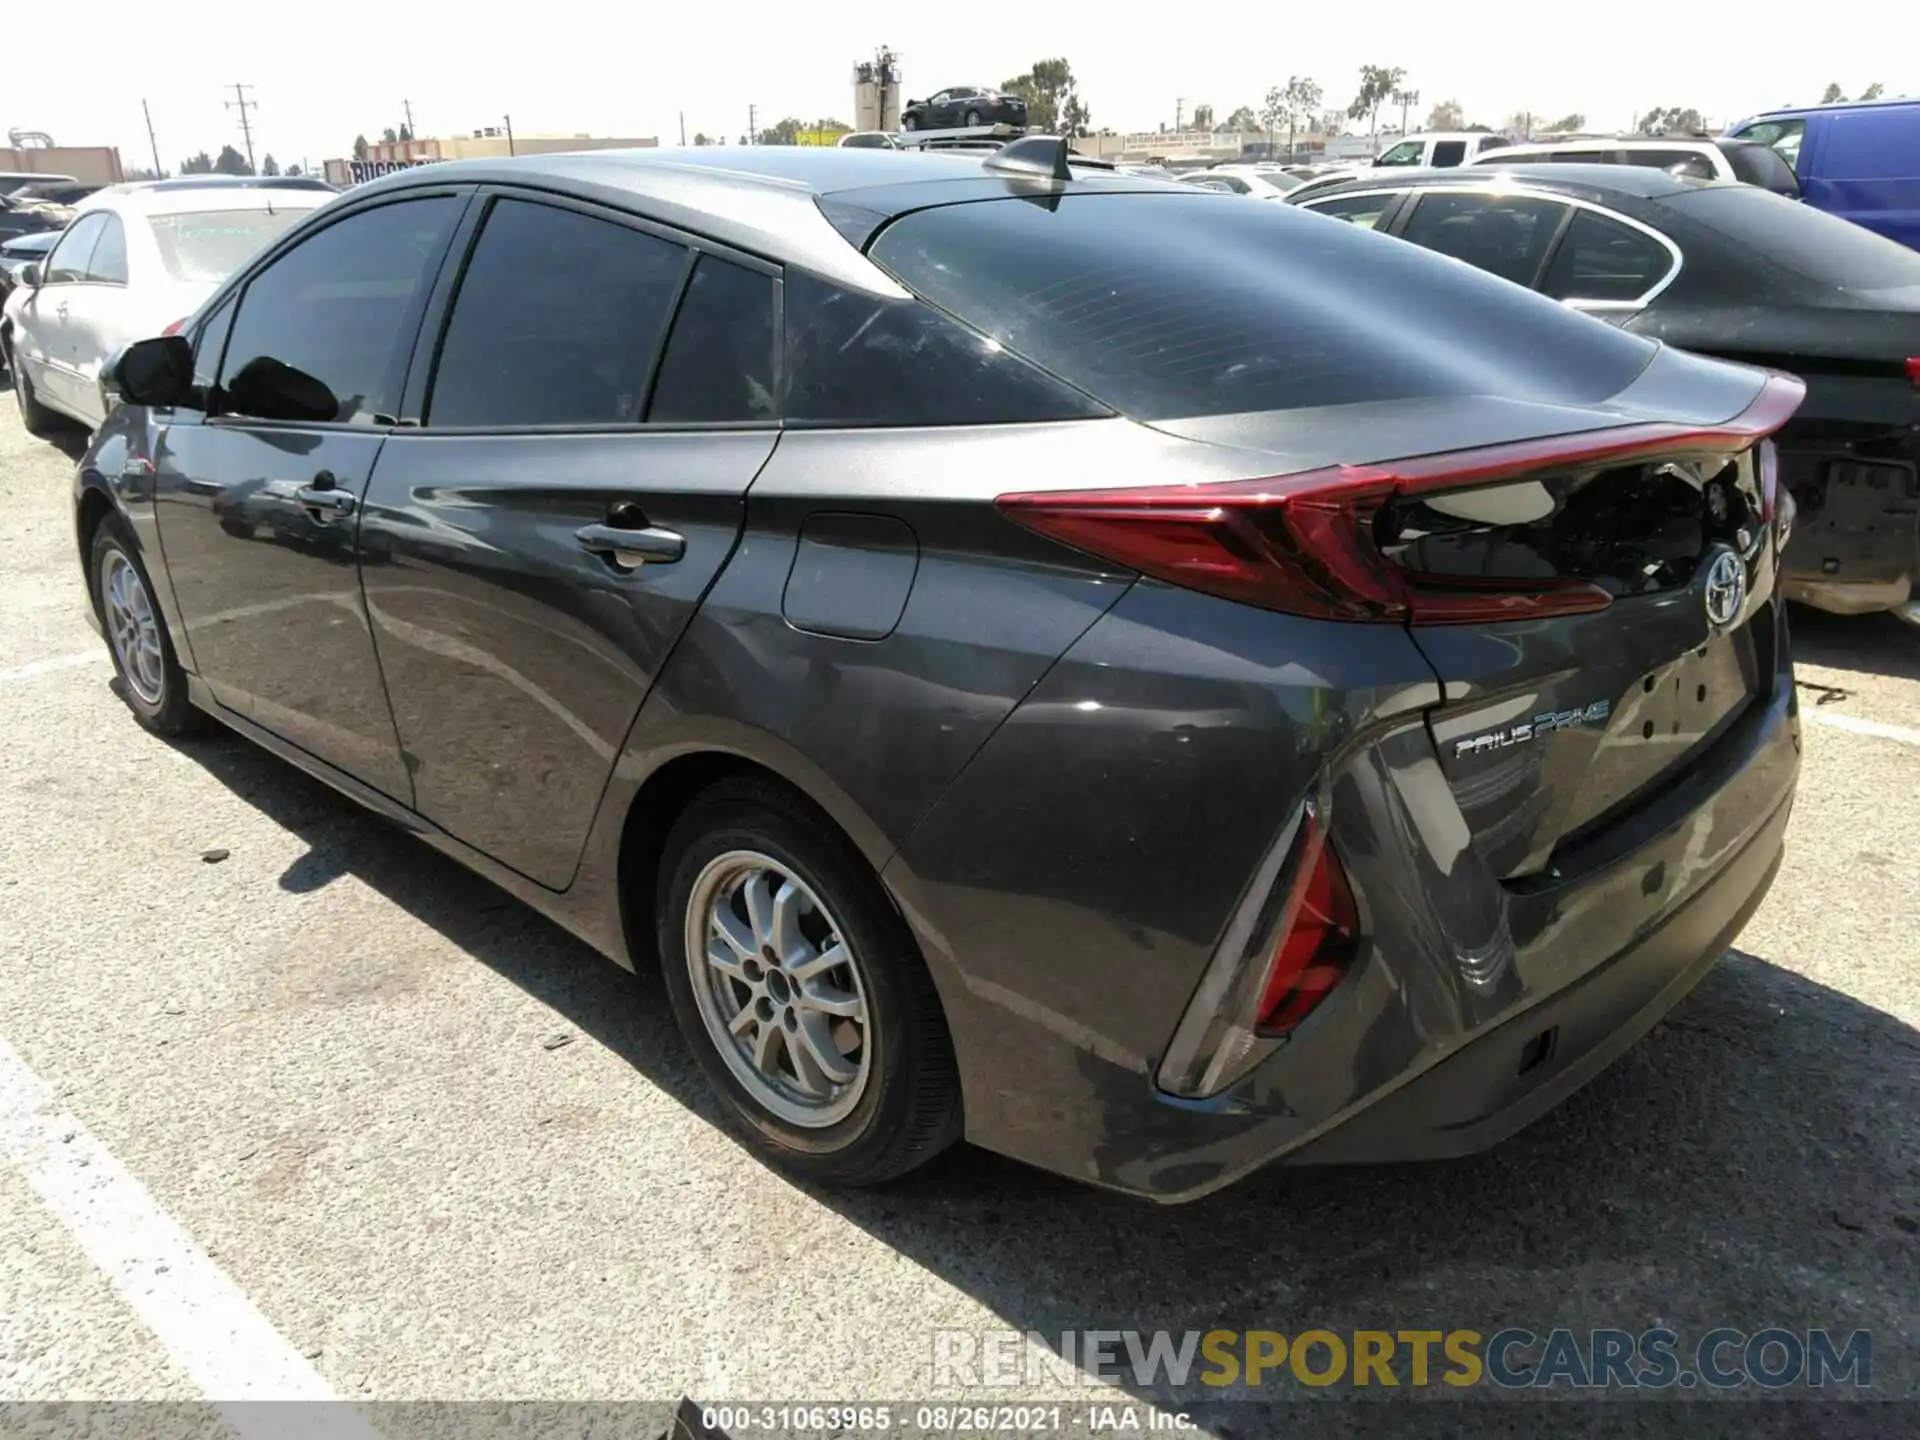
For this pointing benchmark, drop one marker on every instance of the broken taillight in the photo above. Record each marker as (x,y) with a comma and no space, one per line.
(1304,543)
(1317,931)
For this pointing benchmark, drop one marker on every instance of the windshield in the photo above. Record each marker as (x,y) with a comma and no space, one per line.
(1821,247)
(208,245)
(1288,312)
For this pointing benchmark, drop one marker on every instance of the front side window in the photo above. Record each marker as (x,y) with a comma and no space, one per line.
(68,263)
(1505,235)
(1362,210)
(864,360)
(1783,137)
(322,332)
(1603,260)
(209,344)
(718,365)
(1407,152)
(108,265)
(558,320)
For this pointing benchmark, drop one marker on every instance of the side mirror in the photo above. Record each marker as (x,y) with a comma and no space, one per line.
(30,276)
(157,373)
(267,389)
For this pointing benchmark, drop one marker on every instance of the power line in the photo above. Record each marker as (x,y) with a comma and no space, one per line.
(241,103)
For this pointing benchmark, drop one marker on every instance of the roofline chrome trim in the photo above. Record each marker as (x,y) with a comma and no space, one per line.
(1508,184)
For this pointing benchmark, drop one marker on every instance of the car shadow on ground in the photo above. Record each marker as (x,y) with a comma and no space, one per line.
(1754,1162)
(1871,644)
(69,440)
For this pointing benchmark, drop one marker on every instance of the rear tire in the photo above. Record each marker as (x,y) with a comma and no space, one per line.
(151,680)
(818,1026)
(973,119)
(37,418)
(910,122)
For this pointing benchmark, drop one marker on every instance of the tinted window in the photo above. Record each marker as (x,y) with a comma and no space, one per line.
(856,359)
(209,245)
(1821,247)
(1602,259)
(208,344)
(336,306)
(109,263)
(557,322)
(68,263)
(1364,210)
(1661,159)
(1208,181)
(1506,236)
(1287,311)
(1448,153)
(719,360)
(1407,152)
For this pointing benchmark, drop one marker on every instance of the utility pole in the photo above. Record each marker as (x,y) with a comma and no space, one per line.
(683,129)
(753,131)
(1179,112)
(158,173)
(241,103)
(509,120)
(406,107)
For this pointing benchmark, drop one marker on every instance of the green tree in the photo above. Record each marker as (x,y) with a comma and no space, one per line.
(1053,99)
(201,164)
(1377,82)
(1241,122)
(231,162)
(293,170)
(1873,91)
(405,132)
(269,166)
(1670,121)
(1832,93)
(787,132)
(700,137)
(389,136)
(1272,111)
(1447,115)
(1301,98)
(360,147)
(1568,124)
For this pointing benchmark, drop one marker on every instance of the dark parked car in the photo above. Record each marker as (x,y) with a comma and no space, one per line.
(1008,676)
(54,192)
(19,217)
(15,255)
(1733,271)
(960,105)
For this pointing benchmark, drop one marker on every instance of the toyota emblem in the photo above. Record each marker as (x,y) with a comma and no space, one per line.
(1726,589)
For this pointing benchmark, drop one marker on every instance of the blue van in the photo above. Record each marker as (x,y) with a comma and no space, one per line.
(1859,160)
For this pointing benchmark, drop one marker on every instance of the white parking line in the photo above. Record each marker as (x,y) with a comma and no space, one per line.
(1877,728)
(207,1325)
(33,669)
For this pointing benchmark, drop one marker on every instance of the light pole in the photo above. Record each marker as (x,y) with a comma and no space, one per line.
(1408,99)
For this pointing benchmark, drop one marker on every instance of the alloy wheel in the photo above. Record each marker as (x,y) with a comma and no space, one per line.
(132,627)
(779,989)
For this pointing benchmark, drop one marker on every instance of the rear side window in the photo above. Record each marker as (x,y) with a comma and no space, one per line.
(1506,236)
(108,266)
(1602,259)
(855,359)
(719,361)
(1447,153)
(557,321)
(1289,311)
(1820,247)
(1490,142)
(1662,159)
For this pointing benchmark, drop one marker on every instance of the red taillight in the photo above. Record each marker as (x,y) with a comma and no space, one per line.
(1303,543)
(175,327)
(1913,371)
(1317,930)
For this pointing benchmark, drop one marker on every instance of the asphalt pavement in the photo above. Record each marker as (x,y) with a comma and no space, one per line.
(413,1142)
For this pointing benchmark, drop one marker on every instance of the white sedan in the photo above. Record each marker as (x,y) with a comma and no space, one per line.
(134,260)
(1267,182)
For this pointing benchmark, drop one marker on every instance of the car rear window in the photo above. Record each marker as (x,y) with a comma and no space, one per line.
(1287,312)
(209,245)
(1821,247)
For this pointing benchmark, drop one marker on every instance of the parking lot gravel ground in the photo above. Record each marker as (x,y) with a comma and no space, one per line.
(426,1145)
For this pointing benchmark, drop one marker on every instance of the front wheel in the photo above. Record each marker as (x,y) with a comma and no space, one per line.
(801,991)
(151,680)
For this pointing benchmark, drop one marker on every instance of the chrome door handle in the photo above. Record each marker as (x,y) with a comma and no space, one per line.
(314,497)
(630,549)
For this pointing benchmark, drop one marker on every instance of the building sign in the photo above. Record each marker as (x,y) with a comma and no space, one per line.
(358,172)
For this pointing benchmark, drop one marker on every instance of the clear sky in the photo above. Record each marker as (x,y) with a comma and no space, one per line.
(322,76)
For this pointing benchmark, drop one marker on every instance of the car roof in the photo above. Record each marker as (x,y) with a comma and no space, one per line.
(805,205)
(157,200)
(1589,182)
(1786,112)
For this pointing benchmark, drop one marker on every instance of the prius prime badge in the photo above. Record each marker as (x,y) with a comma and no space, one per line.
(1726,589)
